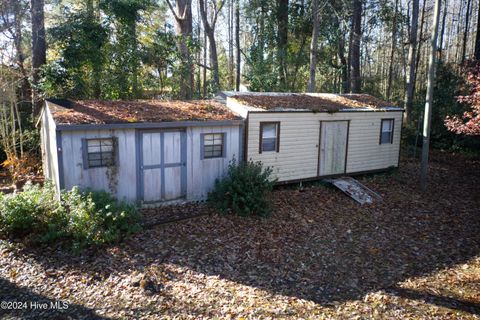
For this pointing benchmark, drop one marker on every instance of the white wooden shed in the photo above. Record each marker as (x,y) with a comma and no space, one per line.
(313,135)
(145,151)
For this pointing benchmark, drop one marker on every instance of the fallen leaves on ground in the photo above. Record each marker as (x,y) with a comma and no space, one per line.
(320,255)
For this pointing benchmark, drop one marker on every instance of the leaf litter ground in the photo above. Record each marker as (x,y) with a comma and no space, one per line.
(320,255)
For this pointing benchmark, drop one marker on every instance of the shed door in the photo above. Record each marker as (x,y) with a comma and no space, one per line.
(333,147)
(162,165)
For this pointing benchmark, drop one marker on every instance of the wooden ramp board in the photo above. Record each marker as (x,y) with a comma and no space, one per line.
(355,190)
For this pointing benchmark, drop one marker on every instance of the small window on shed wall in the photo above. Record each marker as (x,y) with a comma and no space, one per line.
(386,131)
(212,145)
(99,152)
(269,136)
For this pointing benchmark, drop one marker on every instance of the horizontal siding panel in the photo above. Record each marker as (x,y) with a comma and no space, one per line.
(299,140)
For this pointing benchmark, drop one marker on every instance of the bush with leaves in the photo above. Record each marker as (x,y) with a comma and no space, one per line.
(96,217)
(83,218)
(30,211)
(245,190)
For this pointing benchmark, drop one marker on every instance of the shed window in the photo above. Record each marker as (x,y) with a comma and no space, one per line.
(269,136)
(386,133)
(213,145)
(100,152)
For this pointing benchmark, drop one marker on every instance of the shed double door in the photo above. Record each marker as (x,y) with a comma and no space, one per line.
(333,147)
(162,165)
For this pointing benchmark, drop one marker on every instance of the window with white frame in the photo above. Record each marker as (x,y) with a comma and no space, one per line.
(100,152)
(269,136)
(213,145)
(386,133)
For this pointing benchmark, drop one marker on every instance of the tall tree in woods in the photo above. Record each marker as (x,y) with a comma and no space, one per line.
(127,58)
(477,37)
(237,45)
(282,42)
(39,49)
(184,28)
(465,33)
(209,27)
(393,46)
(313,47)
(412,55)
(429,98)
(13,14)
(355,47)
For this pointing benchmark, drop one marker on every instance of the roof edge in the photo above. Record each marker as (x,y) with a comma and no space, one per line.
(148,125)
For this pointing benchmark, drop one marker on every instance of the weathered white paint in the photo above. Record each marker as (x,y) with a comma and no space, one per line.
(202,173)
(333,146)
(121,181)
(49,147)
(298,157)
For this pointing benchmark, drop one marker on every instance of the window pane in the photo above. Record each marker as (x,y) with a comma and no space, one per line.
(386,125)
(269,130)
(213,145)
(94,163)
(100,152)
(269,144)
(386,137)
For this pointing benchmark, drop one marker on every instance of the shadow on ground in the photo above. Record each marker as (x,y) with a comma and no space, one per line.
(319,245)
(21,303)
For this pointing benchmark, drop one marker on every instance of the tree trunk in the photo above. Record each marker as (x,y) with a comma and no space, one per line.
(429,98)
(357,34)
(210,31)
(237,44)
(184,29)
(442,32)
(465,33)
(343,64)
(419,51)
(392,51)
(313,47)
(477,37)
(282,41)
(411,75)
(39,49)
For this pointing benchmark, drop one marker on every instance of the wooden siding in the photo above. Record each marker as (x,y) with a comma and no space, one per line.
(49,148)
(299,142)
(124,184)
(202,173)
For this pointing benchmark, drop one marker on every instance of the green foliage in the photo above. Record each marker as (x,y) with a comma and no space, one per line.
(29,211)
(82,218)
(245,190)
(98,218)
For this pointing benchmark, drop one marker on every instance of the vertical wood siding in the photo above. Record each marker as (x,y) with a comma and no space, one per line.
(299,142)
(49,148)
(202,173)
(96,178)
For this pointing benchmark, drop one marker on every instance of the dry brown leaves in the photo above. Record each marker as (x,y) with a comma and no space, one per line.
(318,102)
(100,111)
(320,255)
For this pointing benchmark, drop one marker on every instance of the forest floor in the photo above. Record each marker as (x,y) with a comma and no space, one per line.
(415,255)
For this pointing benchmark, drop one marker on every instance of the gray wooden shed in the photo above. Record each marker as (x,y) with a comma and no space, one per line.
(145,151)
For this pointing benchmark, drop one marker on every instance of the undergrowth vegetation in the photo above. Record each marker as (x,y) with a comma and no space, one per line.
(245,190)
(79,218)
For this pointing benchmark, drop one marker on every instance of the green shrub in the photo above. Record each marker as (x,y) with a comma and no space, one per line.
(95,217)
(245,190)
(83,218)
(29,211)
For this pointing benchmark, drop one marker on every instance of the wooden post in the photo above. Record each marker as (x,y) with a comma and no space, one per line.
(429,99)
